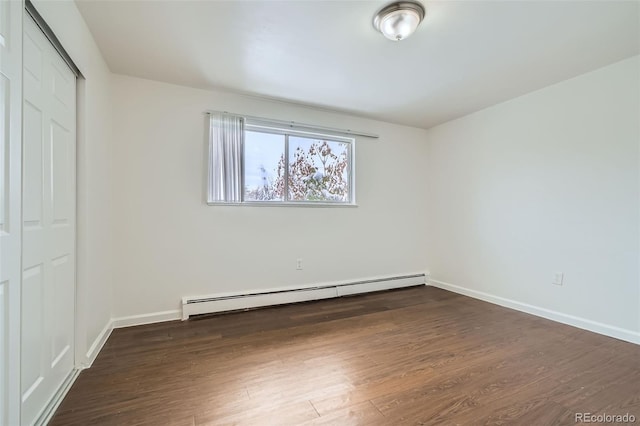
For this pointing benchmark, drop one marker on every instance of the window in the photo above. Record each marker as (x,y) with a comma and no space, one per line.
(259,162)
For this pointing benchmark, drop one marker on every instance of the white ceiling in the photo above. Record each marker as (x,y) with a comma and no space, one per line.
(466,55)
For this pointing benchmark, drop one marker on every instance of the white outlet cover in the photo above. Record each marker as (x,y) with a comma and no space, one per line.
(558,278)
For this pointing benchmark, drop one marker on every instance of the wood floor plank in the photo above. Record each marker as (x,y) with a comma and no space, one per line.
(262,413)
(364,413)
(412,356)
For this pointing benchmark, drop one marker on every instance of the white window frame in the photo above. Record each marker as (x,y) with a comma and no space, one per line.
(266,126)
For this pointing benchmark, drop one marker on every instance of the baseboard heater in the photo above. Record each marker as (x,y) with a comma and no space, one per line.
(240,301)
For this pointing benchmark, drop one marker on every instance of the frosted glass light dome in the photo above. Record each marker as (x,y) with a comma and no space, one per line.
(398,21)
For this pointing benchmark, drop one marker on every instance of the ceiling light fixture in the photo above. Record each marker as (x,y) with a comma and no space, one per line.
(399,20)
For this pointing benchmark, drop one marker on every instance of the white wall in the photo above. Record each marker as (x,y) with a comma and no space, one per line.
(545,182)
(170,244)
(94,278)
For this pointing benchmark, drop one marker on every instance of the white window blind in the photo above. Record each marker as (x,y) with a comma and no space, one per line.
(226,139)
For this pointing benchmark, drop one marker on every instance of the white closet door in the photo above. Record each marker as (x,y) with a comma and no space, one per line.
(48,231)
(10,190)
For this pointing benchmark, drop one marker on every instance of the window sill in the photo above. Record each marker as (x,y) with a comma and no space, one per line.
(284,204)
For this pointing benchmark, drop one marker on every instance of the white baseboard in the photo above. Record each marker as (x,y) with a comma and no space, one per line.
(338,289)
(50,410)
(142,319)
(583,323)
(225,302)
(97,345)
(54,403)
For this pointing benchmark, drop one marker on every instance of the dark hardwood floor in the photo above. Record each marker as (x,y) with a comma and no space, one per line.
(414,356)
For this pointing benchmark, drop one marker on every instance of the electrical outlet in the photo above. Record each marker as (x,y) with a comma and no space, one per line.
(299,264)
(557,278)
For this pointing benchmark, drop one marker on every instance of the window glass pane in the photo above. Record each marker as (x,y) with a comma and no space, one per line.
(263,166)
(318,170)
